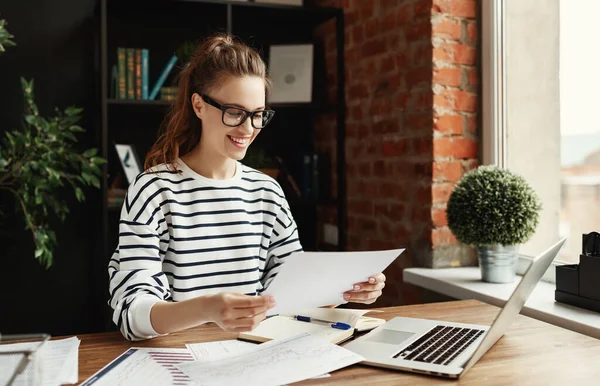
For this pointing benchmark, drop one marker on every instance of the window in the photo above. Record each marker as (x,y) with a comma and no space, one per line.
(539,110)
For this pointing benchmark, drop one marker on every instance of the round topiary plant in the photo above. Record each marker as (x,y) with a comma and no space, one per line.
(493,206)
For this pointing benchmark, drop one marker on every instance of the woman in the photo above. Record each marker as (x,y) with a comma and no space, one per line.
(201,234)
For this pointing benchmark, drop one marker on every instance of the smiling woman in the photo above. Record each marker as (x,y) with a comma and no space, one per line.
(200,233)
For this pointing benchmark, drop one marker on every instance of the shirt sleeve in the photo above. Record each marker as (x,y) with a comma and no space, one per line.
(136,279)
(284,241)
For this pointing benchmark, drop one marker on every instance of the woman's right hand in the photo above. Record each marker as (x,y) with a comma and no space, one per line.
(239,313)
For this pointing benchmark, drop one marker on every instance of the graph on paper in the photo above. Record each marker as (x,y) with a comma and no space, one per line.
(273,363)
(144,366)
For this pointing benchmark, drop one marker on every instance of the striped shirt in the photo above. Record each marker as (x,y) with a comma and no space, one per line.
(182,235)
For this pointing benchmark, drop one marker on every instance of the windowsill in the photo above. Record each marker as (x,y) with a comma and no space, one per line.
(465,283)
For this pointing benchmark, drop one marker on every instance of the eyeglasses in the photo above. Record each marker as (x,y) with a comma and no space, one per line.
(235,116)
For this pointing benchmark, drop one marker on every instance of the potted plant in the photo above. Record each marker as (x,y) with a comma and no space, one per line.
(40,160)
(495,210)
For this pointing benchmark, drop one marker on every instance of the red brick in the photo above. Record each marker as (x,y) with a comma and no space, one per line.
(447,77)
(447,170)
(459,8)
(364,207)
(418,76)
(473,76)
(455,53)
(422,54)
(366,224)
(472,124)
(387,64)
(442,236)
(419,30)
(364,169)
(457,100)
(358,34)
(372,28)
(472,33)
(405,14)
(359,91)
(422,8)
(401,100)
(423,101)
(455,147)
(357,113)
(366,9)
(448,124)
(471,164)
(372,48)
(419,122)
(447,29)
(439,217)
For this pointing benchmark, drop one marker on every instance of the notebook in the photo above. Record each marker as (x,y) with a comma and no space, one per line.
(285,325)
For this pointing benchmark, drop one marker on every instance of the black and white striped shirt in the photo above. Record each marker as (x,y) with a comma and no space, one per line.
(182,235)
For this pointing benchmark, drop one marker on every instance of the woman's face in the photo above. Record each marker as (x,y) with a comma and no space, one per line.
(247,93)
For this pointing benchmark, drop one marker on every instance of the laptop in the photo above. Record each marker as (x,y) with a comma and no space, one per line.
(442,348)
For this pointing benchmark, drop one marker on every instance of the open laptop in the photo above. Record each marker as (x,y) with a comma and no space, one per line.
(442,348)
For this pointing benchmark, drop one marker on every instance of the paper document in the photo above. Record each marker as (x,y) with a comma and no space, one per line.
(144,366)
(59,362)
(219,349)
(315,279)
(274,363)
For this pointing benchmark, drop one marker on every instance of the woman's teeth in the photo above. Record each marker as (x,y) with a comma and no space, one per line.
(241,141)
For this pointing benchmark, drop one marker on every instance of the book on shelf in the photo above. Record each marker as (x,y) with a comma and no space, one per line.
(138,74)
(163,77)
(129,54)
(122,71)
(286,325)
(132,73)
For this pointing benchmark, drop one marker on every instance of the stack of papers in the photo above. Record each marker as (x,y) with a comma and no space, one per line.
(277,362)
(59,362)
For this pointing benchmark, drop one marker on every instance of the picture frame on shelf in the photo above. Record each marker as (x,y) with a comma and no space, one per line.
(291,70)
(130,162)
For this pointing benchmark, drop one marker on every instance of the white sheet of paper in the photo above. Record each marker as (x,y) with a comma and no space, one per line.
(144,366)
(274,363)
(219,349)
(315,279)
(59,358)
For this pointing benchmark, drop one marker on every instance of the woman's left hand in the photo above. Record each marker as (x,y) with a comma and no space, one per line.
(366,292)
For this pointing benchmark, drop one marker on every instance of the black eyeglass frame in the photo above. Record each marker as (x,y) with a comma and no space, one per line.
(247,113)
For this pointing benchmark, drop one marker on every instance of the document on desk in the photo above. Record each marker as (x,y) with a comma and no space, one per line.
(219,349)
(277,362)
(144,366)
(314,279)
(59,361)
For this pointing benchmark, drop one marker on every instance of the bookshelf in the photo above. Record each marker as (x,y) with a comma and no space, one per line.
(161,27)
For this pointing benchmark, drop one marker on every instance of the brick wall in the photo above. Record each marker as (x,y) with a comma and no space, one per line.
(411,124)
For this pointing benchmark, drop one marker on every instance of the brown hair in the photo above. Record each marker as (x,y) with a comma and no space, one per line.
(216,58)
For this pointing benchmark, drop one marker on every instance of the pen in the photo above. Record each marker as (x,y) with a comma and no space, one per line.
(338,325)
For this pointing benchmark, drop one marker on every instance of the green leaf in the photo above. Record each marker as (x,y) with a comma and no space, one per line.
(76,129)
(39,252)
(71,111)
(79,194)
(97,161)
(90,153)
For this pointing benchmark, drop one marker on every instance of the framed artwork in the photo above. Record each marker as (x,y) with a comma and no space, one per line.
(291,70)
(129,161)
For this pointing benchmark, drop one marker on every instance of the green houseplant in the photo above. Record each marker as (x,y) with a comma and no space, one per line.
(39,160)
(495,210)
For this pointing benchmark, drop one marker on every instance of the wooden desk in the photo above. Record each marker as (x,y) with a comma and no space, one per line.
(531,352)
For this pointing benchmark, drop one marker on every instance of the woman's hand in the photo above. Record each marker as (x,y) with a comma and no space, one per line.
(237,312)
(366,292)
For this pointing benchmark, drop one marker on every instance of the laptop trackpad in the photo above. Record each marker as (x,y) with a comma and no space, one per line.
(394,337)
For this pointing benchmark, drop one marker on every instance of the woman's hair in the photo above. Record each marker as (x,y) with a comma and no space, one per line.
(217,58)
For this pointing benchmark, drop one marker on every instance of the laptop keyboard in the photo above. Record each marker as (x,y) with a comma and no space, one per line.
(440,345)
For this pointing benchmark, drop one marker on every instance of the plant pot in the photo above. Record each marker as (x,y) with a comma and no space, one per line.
(498,263)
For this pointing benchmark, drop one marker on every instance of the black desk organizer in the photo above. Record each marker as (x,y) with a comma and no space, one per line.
(579,284)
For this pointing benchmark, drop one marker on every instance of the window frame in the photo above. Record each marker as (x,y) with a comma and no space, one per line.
(493,106)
